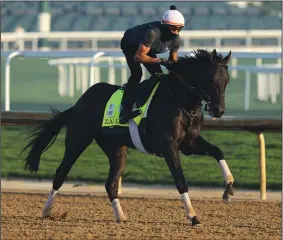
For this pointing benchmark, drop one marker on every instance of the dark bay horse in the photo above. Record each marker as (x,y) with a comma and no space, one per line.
(174,121)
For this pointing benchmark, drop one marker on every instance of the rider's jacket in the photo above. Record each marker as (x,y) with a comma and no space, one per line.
(154,35)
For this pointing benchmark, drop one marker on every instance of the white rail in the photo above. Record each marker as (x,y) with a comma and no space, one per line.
(93,37)
(268,84)
(42,54)
(93,62)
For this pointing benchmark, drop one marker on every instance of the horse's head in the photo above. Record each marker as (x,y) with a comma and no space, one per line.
(206,74)
(217,78)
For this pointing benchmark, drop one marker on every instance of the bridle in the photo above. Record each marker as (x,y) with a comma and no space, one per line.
(204,97)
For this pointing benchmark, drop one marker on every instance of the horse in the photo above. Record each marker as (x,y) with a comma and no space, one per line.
(174,121)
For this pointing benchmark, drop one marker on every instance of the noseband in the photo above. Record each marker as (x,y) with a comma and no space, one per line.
(204,97)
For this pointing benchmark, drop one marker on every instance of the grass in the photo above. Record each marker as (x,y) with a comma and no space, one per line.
(240,149)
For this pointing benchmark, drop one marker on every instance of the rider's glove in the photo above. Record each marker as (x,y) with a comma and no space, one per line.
(164,62)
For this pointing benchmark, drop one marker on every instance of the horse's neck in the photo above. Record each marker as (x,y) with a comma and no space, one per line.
(181,95)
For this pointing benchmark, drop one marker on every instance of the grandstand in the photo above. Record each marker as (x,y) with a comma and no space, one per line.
(118,16)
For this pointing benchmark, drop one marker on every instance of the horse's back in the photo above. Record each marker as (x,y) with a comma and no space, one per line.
(98,93)
(91,105)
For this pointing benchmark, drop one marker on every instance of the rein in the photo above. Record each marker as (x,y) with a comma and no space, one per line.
(192,89)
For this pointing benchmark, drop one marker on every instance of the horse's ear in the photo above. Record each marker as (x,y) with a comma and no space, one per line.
(213,56)
(227,58)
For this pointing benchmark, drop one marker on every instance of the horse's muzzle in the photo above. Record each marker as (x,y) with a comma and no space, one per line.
(217,111)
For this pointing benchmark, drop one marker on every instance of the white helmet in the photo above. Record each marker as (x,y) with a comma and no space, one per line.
(173,17)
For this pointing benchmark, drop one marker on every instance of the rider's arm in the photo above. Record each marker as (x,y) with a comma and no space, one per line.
(173,55)
(144,47)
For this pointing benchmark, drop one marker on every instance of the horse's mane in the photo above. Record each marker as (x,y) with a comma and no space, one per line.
(200,55)
(197,59)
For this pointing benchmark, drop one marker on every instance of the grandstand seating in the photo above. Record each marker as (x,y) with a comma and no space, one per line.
(107,16)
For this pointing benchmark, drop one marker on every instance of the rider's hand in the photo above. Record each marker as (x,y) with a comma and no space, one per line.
(164,62)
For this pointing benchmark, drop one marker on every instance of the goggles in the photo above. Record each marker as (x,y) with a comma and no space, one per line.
(174,28)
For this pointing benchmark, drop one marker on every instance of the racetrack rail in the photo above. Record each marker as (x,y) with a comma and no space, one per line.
(258,124)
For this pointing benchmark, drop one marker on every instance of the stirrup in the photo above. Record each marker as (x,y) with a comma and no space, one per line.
(157,75)
(131,115)
(135,113)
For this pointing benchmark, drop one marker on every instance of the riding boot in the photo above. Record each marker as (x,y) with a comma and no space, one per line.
(124,114)
(126,108)
(126,105)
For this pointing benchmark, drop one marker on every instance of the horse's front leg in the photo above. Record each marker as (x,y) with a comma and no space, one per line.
(203,147)
(171,155)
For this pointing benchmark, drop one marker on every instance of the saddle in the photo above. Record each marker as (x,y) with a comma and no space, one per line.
(145,92)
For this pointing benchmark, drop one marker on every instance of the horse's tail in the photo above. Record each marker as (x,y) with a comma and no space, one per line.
(42,136)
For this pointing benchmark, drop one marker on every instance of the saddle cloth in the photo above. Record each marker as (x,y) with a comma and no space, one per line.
(111,123)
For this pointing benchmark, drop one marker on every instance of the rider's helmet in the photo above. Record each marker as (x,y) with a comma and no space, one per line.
(173,17)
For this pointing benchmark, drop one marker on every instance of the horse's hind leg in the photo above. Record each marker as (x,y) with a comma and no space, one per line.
(76,142)
(117,166)
(117,159)
(203,147)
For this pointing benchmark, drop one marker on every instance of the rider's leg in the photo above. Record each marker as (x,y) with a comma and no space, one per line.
(130,89)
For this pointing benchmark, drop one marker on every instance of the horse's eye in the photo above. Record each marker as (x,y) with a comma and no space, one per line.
(226,67)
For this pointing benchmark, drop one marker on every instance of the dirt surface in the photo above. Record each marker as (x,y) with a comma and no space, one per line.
(91,217)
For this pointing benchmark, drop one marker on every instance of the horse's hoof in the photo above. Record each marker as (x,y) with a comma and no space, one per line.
(228,192)
(195,222)
(46,212)
(230,189)
(121,219)
(226,199)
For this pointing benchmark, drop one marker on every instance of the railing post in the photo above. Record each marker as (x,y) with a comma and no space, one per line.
(7,78)
(120,185)
(247,90)
(217,42)
(78,77)
(262,166)
(92,75)
(84,79)
(71,80)
(111,71)
(94,44)
(61,80)
(234,63)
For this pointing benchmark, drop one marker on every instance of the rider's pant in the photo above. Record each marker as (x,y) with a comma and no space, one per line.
(136,73)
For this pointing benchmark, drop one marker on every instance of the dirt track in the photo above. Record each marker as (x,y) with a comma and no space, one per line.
(92,218)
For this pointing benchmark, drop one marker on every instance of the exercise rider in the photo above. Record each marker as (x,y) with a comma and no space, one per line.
(140,44)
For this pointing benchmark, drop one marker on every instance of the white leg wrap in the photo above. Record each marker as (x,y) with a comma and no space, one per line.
(190,212)
(226,171)
(48,205)
(118,212)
